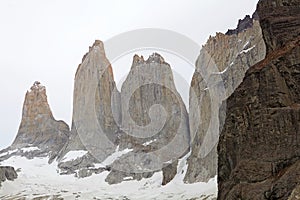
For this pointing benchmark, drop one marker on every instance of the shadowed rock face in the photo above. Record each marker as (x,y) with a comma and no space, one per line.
(259,146)
(220,68)
(38,127)
(7,173)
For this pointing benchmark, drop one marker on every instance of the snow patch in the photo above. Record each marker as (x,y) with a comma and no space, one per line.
(246,44)
(28,149)
(247,50)
(8,152)
(149,142)
(113,157)
(73,155)
(128,178)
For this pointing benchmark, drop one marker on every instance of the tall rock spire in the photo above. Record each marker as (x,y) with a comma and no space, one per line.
(38,127)
(154,122)
(96,110)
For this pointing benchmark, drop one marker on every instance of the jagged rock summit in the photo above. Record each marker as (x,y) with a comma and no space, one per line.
(38,130)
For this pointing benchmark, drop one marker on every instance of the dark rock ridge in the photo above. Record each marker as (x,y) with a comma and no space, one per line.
(7,173)
(259,146)
(220,68)
(38,131)
(243,24)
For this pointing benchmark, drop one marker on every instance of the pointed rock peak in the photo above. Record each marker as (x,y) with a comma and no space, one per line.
(96,49)
(36,102)
(38,129)
(98,44)
(157,58)
(37,87)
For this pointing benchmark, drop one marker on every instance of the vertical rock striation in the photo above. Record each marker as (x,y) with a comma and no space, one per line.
(154,122)
(259,146)
(96,112)
(220,68)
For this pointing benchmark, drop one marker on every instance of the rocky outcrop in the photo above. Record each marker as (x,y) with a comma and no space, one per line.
(154,122)
(96,112)
(38,128)
(243,24)
(259,146)
(7,173)
(220,68)
(133,134)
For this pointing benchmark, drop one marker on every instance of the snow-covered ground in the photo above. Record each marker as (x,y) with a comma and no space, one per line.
(39,179)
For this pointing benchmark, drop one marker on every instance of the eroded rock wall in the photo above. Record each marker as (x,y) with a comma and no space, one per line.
(259,145)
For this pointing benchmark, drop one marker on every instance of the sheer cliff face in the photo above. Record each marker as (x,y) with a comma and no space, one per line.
(152,109)
(96,110)
(259,145)
(220,68)
(147,124)
(38,127)
(154,121)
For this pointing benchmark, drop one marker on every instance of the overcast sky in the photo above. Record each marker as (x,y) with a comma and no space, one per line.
(46,40)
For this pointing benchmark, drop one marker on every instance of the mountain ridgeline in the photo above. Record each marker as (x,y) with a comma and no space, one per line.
(245,89)
(145,127)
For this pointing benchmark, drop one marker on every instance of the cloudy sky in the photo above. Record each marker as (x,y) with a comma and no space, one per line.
(45,40)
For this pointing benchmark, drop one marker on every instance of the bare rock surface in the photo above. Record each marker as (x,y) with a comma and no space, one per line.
(135,133)
(39,133)
(259,145)
(220,68)
(154,121)
(96,112)
(7,173)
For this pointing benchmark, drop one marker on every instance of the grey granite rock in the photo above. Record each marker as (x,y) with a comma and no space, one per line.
(96,110)
(220,68)
(154,121)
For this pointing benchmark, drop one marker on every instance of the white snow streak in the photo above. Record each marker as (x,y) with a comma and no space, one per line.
(72,155)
